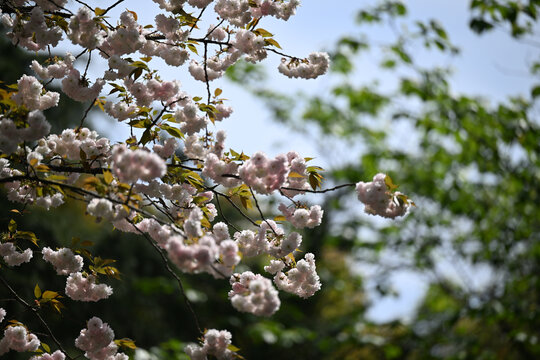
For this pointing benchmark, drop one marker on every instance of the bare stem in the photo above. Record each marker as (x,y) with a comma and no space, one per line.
(35,311)
(173,274)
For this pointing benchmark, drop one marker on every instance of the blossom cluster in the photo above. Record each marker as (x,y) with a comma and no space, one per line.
(32,33)
(84,30)
(379,200)
(105,209)
(159,233)
(97,341)
(11,135)
(84,288)
(241,12)
(254,294)
(217,170)
(12,257)
(70,144)
(202,254)
(145,93)
(31,94)
(314,66)
(131,166)
(301,280)
(19,339)
(215,343)
(78,88)
(120,110)
(275,243)
(65,262)
(17,192)
(126,38)
(266,175)
(27,194)
(189,119)
(167,149)
(57,70)
(214,67)
(181,194)
(301,218)
(249,243)
(57,355)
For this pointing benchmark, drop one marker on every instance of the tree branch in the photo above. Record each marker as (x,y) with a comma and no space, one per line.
(35,311)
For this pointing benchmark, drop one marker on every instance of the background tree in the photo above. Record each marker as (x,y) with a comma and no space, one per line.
(472,165)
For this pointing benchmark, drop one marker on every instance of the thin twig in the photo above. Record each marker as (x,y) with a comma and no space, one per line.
(260,211)
(218,271)
(197,20)
(86,114)
(111,7)
(235,206)
(87,63)
(206,73)
(168,267)
(282,54)
(223,215)
(318,191)
(213,29)
(38,315)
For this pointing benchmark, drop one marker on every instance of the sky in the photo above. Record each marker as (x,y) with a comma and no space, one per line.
(492,66)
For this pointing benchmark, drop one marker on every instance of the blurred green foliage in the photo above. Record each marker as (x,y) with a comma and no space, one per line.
(472,167)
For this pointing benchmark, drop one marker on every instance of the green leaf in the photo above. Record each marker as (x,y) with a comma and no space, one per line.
(295,175)
(389,183)
(205,223)
(57,305)
(172,131)
(140,124)
(168,116)
(108,177)
(140,64)
(535,92)
(192,48)
(479,25)
(82,154)
(27,235)
(246,203)
(126,342)
(272,42)
(12,227)
(314,181)
(314,168)
(37,292)
(146,137)
(56,177)
(262,32)
(50,295)
(136,73)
